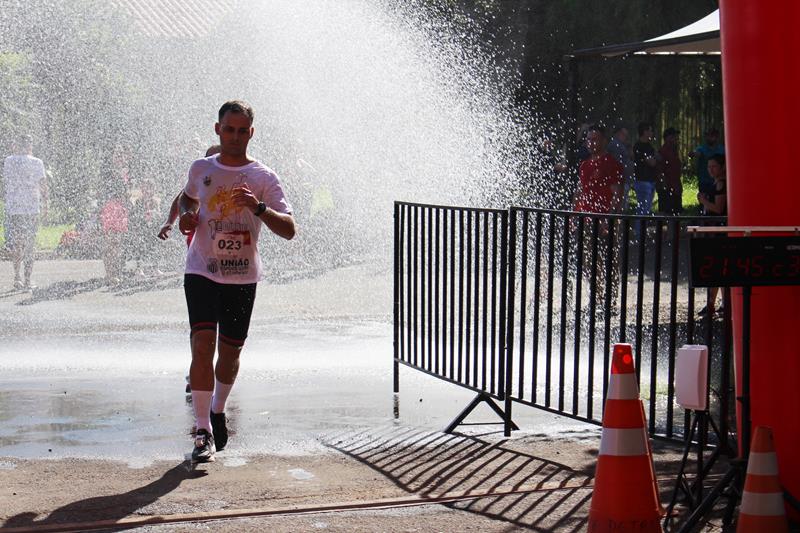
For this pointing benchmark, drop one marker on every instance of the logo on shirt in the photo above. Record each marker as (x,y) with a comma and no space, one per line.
(207,181)
(234,267)
(221,203)
(212,265)
(229,228)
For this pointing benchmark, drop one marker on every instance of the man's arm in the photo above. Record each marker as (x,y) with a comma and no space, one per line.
(163,233)
(188,208)
(44,191)
(281,224)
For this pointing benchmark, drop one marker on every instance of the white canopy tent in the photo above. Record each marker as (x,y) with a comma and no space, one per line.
(698,38)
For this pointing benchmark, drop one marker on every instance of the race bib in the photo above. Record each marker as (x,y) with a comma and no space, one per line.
(232,253)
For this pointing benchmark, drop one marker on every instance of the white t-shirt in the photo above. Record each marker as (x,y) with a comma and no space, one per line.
(225,244)
(22,175)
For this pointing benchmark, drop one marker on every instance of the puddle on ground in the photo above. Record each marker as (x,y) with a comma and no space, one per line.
(300,474)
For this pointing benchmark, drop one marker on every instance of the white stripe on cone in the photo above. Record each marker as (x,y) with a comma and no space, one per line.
(623,442)
(762,464)
(758,504)
(623,387)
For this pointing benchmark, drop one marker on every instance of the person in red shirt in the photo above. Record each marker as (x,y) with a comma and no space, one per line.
(601,181)
(114,224)
(601,191)
(670,188)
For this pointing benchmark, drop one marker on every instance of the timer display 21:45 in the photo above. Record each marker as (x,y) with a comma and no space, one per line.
(723,261)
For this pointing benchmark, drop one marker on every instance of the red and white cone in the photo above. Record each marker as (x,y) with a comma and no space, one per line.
(762,506)
(625,496)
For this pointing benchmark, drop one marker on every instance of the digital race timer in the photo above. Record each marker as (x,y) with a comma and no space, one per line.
(722,261)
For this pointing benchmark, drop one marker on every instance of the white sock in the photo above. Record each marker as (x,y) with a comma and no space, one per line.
(221,393)
(201,401)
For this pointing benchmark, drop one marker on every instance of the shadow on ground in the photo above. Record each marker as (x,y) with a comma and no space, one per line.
(112,507)
(63,290)
(553,496)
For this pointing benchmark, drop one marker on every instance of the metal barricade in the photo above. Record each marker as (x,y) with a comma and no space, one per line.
(523,305)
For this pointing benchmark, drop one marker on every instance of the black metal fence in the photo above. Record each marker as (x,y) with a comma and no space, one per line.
(450,295)
(523,305)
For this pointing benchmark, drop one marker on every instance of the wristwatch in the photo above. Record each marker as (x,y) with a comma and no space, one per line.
(260,209)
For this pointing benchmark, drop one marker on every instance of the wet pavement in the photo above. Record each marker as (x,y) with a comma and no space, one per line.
(100,373)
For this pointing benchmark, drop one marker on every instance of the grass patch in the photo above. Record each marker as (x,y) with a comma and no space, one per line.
(47,237)
(691,207)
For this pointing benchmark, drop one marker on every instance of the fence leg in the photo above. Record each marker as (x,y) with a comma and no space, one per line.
(482,397)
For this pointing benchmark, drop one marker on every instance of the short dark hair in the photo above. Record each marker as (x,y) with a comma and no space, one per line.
(719,158)
(618,128)
(643,127)
(598,128)
(236,106)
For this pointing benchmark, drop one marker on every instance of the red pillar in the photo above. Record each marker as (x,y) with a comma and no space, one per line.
(761,87)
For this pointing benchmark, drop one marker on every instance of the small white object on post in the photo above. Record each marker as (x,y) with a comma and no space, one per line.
(691,377)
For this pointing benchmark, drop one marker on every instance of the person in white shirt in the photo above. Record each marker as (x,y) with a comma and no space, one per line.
(226,200)
(25,185)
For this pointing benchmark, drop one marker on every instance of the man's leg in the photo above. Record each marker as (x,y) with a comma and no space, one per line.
(30,249)
(16,259)
(640,192)
(14,247)
(645,191)
(225,373)
(202,301)
(237,306)
(201,374)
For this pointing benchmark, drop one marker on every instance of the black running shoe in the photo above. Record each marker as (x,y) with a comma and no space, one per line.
(220,429)
(203,447)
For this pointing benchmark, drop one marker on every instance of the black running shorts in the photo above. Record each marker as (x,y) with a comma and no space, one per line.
(211,303)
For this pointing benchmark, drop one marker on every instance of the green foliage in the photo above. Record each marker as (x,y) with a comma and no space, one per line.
(17,88)
(47,238)
(691,207)
(66,68)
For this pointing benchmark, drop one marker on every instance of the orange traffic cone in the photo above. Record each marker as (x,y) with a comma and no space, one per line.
(625,496)
(762,501)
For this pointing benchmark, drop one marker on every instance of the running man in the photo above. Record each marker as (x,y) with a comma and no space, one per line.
(226,199)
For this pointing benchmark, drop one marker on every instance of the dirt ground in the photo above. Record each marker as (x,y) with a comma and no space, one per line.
(527,483)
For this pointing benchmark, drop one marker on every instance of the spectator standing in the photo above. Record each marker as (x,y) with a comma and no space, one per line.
(670,188)
(646,169)
(715,204)
(600,177)
(703,153)
(144,214)
(600,191)
(25,198)
(114,225)
(620,150)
